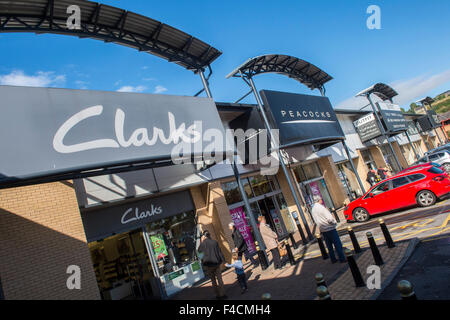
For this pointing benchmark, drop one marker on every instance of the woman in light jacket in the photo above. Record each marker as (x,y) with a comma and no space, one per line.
(270,239)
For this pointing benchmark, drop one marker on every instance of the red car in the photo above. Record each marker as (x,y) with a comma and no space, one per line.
(422,186)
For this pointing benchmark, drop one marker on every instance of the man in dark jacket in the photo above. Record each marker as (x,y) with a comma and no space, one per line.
(212,259)
(240,245)
(371,177)
(382,173)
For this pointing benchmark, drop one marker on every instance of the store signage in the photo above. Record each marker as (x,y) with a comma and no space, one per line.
(139,215)
(48,131)
(367,127)
(100,223)
(302,119)
(428,122)
(392,117)
(434,119)
(240,222)
(412,129)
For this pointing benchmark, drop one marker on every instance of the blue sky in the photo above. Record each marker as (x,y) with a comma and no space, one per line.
(411,51)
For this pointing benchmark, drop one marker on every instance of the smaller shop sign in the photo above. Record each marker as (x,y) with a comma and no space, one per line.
(159,247)
(195,266)
(175,274)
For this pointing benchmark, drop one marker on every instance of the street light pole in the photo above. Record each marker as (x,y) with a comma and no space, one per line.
(237,176)
(281,159)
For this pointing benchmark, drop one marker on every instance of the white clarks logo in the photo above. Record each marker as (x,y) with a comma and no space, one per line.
(138,138)
(129,217)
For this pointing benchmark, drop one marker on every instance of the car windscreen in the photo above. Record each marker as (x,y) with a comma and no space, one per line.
(435,170)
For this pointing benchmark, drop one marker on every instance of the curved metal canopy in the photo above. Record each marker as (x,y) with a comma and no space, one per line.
(426,100)
(295,68)
(110,24)
(381,90)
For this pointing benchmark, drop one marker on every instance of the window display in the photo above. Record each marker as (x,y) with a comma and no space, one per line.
(173,241)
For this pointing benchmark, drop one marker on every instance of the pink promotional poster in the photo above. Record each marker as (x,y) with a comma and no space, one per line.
(238,217)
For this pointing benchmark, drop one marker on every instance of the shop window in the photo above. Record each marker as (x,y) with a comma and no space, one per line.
(307,172)
(260,185)
(173,241)
(231,191)
(389,158)
(348,180)
(368,160)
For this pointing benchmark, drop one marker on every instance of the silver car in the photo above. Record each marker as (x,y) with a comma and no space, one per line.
(440,156)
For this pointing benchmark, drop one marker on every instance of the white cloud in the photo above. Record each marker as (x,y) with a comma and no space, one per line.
(81,84)
(40,79)
(132,89)
(160,89)
(409,90)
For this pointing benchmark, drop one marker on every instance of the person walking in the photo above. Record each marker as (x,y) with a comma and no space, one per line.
(327,226)
(270,239)
(371,177)
(239,269)
(240,245)
(212,259)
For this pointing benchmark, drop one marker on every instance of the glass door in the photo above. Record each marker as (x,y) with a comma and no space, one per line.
(123,267)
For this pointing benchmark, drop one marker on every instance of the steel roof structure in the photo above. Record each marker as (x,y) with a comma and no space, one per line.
(426,100)
(110,24)
(381,90)
(295,68)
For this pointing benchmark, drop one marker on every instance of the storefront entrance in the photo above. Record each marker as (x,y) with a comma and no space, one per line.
(266,199)
(123,268)
(144,249)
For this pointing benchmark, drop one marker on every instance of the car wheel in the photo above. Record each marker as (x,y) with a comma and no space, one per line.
(425,198)
(360,214)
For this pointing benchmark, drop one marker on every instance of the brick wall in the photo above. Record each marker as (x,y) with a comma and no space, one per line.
(41,234)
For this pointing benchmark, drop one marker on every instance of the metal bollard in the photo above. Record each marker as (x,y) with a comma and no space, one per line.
(294,244)
(336,216)
(320,280)
(266,296)
(355,243)
(357,277)
(262,258)
(322,293)
(390,243)
(406,290)
(289,253)
(323,251)
(375,252)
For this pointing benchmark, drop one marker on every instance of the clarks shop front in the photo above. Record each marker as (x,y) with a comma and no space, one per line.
(144,249)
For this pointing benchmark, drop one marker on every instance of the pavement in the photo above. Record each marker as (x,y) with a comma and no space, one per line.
(297,282)
(428,270)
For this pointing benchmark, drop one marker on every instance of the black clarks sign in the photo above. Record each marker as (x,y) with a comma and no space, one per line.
(103,222)
(367,127)
(301,118)
(47,131)
(392,117)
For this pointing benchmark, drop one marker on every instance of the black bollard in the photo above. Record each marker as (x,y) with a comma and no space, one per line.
(355,243)
(320,281)
(357,277)
(289,253)
(375,252)
(406,290)
(300,230)
(390,243)
(322,293)
(294,244)
(336,216)
(262,258)
(323,251)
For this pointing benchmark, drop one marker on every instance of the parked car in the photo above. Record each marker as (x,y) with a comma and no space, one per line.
(422,165)
(442,157)
(443,147)
(421,186)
